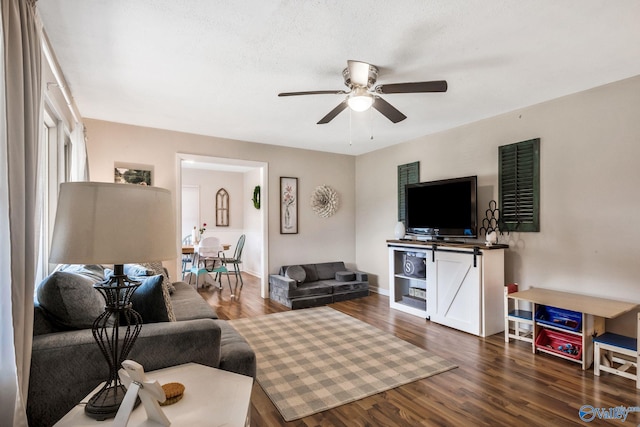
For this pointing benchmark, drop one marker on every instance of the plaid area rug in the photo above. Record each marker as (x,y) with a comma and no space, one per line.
(315,359)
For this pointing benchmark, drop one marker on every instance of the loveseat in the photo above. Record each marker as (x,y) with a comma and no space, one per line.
(67,364)
(312,285)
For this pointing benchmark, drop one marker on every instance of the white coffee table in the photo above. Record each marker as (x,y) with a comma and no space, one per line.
(211,397)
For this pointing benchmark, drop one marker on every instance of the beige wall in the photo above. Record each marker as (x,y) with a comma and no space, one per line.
(590,178)
(209,183)
(318,240)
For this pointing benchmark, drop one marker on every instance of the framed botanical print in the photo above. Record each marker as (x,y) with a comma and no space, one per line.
(288,205)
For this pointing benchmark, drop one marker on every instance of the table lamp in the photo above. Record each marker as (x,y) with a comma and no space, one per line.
(104,223)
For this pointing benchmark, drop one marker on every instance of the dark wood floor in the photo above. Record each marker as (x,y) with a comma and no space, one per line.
(495,384)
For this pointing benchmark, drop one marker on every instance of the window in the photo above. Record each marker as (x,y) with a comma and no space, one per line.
(519,186)
(56,147)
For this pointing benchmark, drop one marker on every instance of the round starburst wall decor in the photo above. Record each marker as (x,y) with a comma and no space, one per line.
(324,201)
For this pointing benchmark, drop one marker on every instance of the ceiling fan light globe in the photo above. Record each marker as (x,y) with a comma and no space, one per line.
(360,102)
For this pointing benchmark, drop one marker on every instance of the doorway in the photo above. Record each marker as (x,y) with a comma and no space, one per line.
(256,228)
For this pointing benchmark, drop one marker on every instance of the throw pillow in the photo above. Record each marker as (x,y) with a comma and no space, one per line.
(157,268)
(70,300)
(143,282)
(151,300)
(297,273)
(137,270)
(94,272)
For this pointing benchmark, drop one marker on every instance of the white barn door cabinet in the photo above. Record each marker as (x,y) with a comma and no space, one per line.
(463,284)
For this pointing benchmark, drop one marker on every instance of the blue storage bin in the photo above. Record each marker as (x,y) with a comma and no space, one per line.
(559,317)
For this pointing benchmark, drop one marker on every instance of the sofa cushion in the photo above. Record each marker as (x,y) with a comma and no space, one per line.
(309,289)
(327,270)
(157,268)
(150,301)
(188,304)
(297,273)
(345,276)
(70,300)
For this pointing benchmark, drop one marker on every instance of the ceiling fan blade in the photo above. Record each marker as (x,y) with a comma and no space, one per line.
(314,92)
(388,110)
(434,86)
(359,72)
(333,113)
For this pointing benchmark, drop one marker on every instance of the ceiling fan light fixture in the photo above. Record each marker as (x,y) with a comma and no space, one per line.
(360,99)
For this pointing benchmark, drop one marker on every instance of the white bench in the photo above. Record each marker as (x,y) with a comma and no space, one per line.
(614,345)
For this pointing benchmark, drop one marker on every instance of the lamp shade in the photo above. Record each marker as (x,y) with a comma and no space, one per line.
(104,223)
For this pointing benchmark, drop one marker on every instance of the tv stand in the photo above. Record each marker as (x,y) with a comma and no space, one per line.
(461,286)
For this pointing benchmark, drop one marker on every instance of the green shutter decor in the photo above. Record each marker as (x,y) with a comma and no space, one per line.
(519,186)
(407,174)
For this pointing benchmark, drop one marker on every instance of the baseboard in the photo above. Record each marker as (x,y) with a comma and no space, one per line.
(380,291)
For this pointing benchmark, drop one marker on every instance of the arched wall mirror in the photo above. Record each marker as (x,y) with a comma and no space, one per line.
(222,208)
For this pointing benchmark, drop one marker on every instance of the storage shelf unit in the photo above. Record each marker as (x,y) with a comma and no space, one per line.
(590,312)
(518,322)
(462,284)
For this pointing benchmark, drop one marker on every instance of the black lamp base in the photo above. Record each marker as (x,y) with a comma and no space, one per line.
(115,331)
(105,403)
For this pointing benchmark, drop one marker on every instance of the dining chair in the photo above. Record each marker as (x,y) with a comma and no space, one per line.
(186,258)
(236,260)
(207,260)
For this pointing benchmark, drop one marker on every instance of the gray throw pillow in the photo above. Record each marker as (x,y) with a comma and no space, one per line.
(70,300)
(297,273)
(94,272)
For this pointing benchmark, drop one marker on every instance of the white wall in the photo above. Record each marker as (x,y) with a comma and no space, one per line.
(252,229)
(590,178)
(318,240)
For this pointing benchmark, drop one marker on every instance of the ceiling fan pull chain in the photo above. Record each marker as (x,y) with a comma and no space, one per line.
(371,117)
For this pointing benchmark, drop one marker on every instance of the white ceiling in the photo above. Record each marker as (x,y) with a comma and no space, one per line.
(216,67)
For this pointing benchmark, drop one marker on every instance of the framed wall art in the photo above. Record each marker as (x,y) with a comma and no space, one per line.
(128,173)
(288,205)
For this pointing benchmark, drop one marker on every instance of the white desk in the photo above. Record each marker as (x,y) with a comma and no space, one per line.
(211,397)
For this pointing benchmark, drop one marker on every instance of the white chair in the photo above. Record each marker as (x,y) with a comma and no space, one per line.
(207,260)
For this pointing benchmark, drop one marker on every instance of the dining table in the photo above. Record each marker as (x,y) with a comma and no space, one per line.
(189,249)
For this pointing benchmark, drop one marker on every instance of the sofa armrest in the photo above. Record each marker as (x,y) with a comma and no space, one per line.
(66,366)
(362,276)
(282,281)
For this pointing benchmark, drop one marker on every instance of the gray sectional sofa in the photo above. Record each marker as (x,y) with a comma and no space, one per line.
(311,285)
(67,364)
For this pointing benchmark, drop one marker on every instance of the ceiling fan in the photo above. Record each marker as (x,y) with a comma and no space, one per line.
(360,77)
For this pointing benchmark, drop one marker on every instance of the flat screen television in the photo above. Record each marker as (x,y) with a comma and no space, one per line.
(444,208)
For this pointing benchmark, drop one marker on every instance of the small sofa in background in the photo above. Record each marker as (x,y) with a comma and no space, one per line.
(312,285)
(67,364)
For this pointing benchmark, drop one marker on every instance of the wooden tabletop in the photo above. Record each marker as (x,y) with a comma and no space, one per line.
(188,249)
(596,306)
(468,243)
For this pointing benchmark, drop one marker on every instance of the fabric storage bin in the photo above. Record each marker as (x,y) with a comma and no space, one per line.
(559,318)
(560,343)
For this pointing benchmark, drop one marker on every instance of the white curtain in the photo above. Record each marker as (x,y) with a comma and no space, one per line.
(20,121)
(79,159)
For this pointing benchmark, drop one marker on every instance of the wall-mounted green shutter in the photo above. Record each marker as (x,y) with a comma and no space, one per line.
(519,186)
(407,174)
